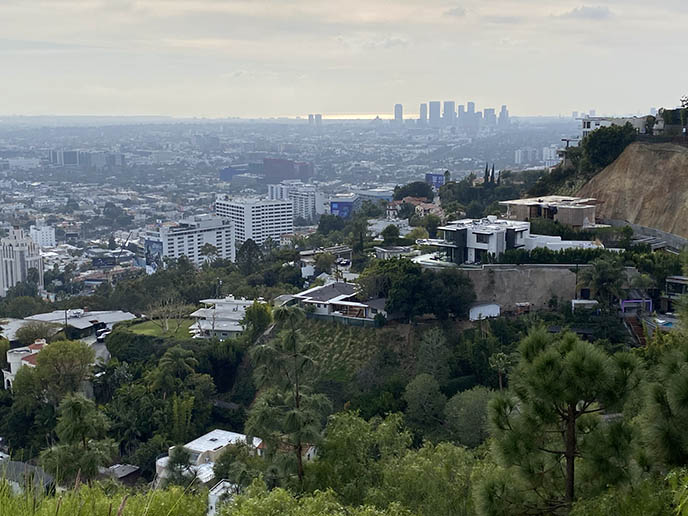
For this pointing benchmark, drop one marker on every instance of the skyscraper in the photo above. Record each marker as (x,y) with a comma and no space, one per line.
(318,119)
(449,114)
(398,113)
(311,119)
(462,110)
(435,106)
(471,108)
(423,119)
(490,117)
(504,116)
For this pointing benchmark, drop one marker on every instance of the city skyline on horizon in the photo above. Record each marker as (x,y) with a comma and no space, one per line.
(265,58)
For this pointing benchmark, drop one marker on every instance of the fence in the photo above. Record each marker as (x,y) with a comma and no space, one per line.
(341,319)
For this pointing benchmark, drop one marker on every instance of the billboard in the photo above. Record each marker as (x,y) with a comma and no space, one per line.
(342,209)
(153,250)
(435,180)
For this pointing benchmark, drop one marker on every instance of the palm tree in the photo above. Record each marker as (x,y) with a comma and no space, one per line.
(643,283)
(80,421)
(605,277)
(287,414)
(175,365)
(209,252)
(178,362)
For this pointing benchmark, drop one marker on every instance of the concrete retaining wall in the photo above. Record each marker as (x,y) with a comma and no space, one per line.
(507,285)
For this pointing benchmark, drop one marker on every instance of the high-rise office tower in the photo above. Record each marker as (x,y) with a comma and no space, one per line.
(471,108)
(423,118)
(311,119)
(318,119)
(435,107)
(504,116)
(462,110)
(449,113)
(398,113)
(490,117)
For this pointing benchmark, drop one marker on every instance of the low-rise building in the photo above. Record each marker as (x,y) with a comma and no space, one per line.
(578,212)
(590,123)
(204,452)
(389,252)
(18,358)
(80,323)
(340,300)
(220,318)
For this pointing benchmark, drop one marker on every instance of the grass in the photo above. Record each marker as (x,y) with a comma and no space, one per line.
(97,501)
(151,328)
(342,350)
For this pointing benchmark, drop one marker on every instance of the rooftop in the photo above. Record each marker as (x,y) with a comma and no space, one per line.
(81,320)
(328,292)
(218,439)
(491,223)
(556,200)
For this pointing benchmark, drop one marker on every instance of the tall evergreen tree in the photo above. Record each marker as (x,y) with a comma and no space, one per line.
(549,436)
(288,414)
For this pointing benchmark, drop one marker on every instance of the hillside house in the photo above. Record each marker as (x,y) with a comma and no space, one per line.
(339,299)
(21,357)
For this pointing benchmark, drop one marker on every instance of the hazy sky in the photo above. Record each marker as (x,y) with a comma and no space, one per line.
(290,57)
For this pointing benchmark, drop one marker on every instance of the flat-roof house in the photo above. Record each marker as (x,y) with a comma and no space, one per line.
(220,318)
(339,299)
(573,211)
(205,450)
(478,240)
(81,323)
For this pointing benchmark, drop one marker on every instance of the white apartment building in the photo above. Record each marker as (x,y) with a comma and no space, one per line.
(43,234)
(308,202)
(187,237)
(18,254)
(257,219)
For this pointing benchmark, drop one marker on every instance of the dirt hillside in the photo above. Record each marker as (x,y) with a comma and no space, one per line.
(646,185)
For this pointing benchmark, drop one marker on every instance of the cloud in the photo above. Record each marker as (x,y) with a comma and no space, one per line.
(588,13)
(508,20)
(456,11)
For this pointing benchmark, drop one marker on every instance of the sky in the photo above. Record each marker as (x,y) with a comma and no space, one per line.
(262,58)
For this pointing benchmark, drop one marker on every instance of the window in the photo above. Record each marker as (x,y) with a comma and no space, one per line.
(481,238)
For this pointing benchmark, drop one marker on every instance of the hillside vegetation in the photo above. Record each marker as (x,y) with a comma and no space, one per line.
(646,185)
(596,151)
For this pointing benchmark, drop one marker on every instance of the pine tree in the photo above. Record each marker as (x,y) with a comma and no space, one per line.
(549,436)
(486,178)
(492,177)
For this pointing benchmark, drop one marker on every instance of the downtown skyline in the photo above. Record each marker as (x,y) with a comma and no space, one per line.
(212,58)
